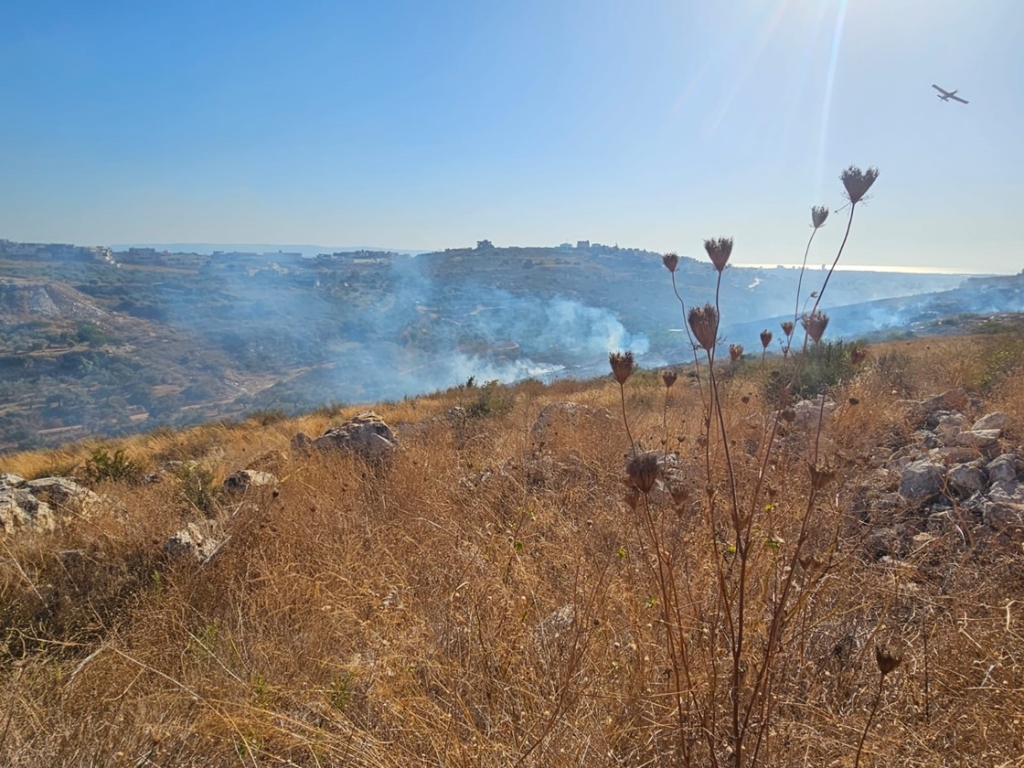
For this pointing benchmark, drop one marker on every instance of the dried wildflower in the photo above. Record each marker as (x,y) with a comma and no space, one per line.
(821,476)
(787,328)
(704,324)
(669,378)
(719,250)
(766,338)
(622,365)
(853,401)
(745,399)
(815,324)
(735,352)
(819,213)
(788,415)
(887,659)
(858,355)
(858,182)
(671,261)
(643,470)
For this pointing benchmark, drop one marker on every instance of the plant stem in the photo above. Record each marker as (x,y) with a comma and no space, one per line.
(874,708)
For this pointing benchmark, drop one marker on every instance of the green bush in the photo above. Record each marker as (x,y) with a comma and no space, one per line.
(493,399)
(101,465)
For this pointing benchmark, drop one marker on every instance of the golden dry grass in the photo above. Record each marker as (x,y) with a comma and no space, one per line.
(489,600)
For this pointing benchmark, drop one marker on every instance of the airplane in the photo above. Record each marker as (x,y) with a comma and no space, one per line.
(947,95)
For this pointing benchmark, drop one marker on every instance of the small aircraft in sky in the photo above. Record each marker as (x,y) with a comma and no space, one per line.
(947,95)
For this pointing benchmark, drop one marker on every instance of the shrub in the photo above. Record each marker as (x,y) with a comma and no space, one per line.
(101,465)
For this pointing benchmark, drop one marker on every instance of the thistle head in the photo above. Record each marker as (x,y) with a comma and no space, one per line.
(858,182)
(719,250)
(858,355)
(819,213)
(669,378)
(735,352)
(766,338)
(704,324)
(622,365)
(787,328)
(815,324)
(671,261)
(887,659)
(821,476)
(643,471)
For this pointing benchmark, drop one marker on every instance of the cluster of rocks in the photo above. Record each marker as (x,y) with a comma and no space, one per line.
(35,505)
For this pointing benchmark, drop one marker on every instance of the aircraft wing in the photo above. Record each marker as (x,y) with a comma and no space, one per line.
(943,91)
(957,98)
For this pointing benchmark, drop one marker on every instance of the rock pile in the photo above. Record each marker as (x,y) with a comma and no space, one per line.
(366,435)
(35,505)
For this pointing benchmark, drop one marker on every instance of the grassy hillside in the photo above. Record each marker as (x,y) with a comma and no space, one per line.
(504,592)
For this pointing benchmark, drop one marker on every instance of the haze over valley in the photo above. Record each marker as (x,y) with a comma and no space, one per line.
(96,341)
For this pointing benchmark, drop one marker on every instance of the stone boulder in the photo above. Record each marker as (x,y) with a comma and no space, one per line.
(365,435)
(920,479)
(34,504)
(1003,469)
(198,541)
(246,479)
(966,479)
(996,420)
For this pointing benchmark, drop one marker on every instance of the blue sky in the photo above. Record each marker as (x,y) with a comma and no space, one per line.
(645,123)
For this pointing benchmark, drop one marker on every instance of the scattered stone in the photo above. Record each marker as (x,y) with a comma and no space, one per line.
(366,435)
(1002,514)
(244,479)
(966,479)
(996,420)
(979,438)
(1003,469)
(920,480)
(34,504)
(200,542)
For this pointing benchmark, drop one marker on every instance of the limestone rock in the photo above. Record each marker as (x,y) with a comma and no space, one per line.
(366,435)
(920,479)
(200,542)
(995,420)
(245,479)
(966,479)
(1003,469)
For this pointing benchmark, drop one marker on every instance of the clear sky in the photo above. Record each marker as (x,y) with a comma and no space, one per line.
(414,124)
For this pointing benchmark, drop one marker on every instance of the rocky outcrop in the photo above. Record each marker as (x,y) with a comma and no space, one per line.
(199,541)
(366,435)
(36,505)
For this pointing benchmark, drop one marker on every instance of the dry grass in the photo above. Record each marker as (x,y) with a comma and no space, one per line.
(490,601)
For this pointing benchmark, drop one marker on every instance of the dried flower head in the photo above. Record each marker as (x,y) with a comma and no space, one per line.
(671,261)
(819,214)
(745,399)
(719,250)
(735,352)
(858,355)
(622,365)
(854,401)
(815,324)
(788,415)
(766,338)
(643,470)
(887,659)
(821,476)
(858,182)
(787,328)
(669,378)
(704,324)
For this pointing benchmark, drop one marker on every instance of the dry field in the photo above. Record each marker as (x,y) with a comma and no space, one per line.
(503,592)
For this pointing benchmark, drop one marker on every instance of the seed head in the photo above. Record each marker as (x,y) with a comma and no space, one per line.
(854,401)
(819,214)
(622,365)
(787,328)
(887,659)
(858,355)
(735,352)
(815,324)
(821,476)
(669,378)
(858,182)
(766,338)
(704,324)
(643,470)
(719,250)
(671,261)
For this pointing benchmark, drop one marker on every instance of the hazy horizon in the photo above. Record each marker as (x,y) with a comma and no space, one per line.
(653,125)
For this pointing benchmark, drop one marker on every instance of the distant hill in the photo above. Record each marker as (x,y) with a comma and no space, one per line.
(105,341)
